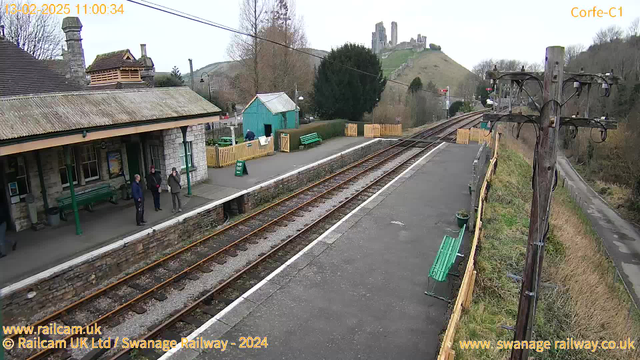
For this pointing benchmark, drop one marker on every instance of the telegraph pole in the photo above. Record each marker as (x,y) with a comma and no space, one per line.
(548,124)
(543,180)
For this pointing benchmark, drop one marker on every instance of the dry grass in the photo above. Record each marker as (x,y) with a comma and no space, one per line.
(602,308)
(588,304)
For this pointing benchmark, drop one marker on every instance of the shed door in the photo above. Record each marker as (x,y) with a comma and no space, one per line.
(267,130)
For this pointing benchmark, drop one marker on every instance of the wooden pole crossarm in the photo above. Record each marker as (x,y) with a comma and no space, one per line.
(609,124)
(584,78)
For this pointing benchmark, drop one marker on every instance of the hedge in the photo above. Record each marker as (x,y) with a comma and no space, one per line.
(326,129)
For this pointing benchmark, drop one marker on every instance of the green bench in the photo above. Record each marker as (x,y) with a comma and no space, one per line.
(87,198)
(446,257)
(310,138)
(225,141)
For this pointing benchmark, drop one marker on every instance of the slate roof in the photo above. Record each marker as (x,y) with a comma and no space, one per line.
(275,102)
(113,60)
(21,73)
(25,116)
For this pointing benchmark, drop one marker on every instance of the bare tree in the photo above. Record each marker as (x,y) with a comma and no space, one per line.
(482,67)
(571,52)
(38,34)
(467,87)
(610,34)
(286,67)
(247,49)
(634,28)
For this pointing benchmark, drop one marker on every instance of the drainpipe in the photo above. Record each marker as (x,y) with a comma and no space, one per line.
(42,184)
(186,157)
(74,204)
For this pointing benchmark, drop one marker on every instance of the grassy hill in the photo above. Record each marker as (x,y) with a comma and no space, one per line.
(428,65)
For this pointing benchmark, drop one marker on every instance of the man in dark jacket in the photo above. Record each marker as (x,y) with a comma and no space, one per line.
(4,242)
(153,184)
(250,135)
(174,183)
(138,199)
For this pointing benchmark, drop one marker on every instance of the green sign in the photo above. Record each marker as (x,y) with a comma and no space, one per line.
(241,168)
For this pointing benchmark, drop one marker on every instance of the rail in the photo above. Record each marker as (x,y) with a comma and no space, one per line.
(244,224)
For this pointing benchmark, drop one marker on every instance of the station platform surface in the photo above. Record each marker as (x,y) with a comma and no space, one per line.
(39,251)
(358,290)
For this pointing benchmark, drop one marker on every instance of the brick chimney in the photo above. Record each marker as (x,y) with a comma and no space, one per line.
(74,56)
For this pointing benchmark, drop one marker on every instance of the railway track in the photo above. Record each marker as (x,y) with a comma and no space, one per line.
(108,306)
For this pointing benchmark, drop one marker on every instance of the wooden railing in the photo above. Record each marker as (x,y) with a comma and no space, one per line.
(466,288)
(225,156)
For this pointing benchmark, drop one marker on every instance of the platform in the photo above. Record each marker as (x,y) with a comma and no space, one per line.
(42,250)
(358,291)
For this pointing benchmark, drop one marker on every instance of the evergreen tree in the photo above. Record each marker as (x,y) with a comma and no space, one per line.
(346,93)
(416,85)
(175,73)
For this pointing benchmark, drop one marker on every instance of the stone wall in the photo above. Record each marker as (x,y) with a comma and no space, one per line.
(67,286)
(172,140)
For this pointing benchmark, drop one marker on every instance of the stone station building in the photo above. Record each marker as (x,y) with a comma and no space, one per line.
(96,138)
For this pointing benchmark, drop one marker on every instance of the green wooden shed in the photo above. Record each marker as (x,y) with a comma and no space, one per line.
(267,113)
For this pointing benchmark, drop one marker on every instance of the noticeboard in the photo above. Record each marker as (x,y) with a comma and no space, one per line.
(241,168)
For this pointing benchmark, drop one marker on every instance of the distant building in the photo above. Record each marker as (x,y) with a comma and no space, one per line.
(117,70)
(267,113)
(379,38)
(394,33)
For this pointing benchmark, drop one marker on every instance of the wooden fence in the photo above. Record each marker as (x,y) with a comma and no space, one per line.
(466,288)
(284,142)
(378,130)
(390,129)
(464,136)
(224,156)
(351,130)
(371,130)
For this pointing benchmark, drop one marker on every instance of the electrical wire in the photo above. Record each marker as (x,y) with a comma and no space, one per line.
(187,16)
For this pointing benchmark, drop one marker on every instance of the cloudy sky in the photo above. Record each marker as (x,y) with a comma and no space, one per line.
(468,30)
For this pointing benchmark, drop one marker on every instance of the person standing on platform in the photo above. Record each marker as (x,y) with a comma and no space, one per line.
(250,135)
(4,243)
(174,183)
(153,184)
(138,199)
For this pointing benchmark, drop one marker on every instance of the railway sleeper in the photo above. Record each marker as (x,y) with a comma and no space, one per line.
(138,309)
(192,321)
(160,296)
(97,352)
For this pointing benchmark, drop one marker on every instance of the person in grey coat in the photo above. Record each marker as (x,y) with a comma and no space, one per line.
(174,182)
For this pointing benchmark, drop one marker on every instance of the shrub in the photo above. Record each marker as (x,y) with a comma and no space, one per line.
(326,129)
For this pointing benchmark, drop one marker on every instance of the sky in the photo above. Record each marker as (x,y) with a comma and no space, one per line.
(468,31)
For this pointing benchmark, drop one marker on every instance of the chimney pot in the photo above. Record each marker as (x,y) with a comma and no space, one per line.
(143,50)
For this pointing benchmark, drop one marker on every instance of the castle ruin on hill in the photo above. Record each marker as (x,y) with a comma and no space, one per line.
(379,43)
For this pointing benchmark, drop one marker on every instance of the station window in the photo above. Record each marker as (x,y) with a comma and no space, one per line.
(17,178)
(89,162)
(189,155)
(64,179)
(156,157)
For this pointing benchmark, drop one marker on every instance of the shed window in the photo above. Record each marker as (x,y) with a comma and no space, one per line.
(189,155)
(63,169)
(89,161)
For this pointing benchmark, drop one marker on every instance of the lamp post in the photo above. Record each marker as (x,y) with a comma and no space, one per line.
(297,97)
(208,83)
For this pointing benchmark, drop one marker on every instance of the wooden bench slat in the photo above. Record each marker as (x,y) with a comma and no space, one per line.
(446,256)
(310,138)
